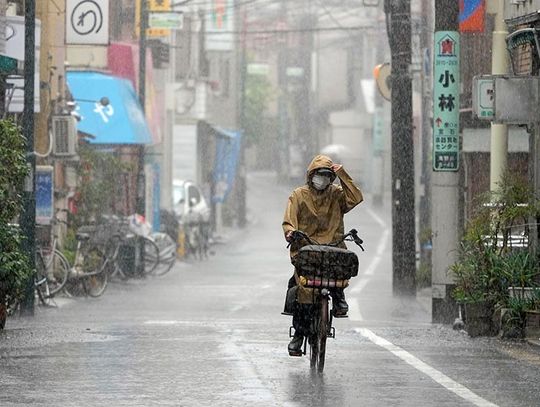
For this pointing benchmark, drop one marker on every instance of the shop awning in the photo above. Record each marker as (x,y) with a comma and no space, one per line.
(121,121)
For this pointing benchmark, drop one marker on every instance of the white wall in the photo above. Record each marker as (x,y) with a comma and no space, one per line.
(184,144)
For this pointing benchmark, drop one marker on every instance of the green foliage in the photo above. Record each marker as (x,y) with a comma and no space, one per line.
(100,176)
(13,170)
(258,95)
(491,268)
(488,264)
(423,275)
(14,265)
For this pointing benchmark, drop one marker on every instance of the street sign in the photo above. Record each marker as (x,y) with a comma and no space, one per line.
(506,99)
(11,66)
(446,101)
(518,100)
(173,21)
(87,22)
(159,5)
(484,97)
(158,32)
(258,69)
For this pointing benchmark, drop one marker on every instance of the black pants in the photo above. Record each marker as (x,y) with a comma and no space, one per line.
(302,312)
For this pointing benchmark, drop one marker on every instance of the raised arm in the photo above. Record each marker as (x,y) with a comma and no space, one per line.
(352,195)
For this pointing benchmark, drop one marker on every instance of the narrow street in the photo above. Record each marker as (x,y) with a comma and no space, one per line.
(210,334)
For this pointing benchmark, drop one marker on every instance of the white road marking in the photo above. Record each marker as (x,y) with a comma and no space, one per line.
(429,371)
(377,218)
(370,270)
(251,388)
(354,311)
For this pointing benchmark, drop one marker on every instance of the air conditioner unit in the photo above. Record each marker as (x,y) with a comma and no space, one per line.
(64,133)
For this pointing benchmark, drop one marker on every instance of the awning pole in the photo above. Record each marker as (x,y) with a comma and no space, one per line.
(141,182)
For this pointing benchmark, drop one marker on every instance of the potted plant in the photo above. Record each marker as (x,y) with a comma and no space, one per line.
(14,270)
(494,256)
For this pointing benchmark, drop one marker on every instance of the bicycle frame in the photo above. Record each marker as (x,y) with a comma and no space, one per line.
(321,318)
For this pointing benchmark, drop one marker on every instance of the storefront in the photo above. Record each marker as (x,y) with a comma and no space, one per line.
(110,116)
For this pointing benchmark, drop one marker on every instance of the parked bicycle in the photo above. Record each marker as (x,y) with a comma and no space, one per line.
(322,267)
(54,263)
(88,274)
(128,254)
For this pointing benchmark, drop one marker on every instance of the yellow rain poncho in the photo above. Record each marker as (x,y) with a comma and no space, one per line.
(319,214)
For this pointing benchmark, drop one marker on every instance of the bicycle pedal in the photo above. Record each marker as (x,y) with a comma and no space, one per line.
(288,314)
(295,354)
(339,314)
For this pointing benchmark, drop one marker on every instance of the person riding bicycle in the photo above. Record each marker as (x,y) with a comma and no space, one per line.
(317,209)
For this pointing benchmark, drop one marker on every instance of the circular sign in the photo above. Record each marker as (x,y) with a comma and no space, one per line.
(87,17)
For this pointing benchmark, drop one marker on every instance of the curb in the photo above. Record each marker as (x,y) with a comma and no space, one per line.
(534,343)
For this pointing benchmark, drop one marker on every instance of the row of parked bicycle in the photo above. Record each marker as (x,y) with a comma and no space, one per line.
(114,248)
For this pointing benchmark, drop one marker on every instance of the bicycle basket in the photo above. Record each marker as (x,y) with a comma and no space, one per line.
(326,262)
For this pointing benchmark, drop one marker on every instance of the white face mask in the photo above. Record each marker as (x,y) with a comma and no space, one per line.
(320,182)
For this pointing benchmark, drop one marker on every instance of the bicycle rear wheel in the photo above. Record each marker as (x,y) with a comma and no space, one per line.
(95,264)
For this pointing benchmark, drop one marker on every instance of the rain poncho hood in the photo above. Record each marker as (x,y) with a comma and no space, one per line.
(319,162)
(319,214)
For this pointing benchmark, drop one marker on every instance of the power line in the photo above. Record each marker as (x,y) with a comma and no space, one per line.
(290,30)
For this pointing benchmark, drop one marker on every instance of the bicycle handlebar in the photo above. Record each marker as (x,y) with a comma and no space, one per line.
(352,234)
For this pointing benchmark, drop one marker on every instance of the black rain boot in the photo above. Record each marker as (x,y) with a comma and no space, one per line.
(295,345)
(339,304)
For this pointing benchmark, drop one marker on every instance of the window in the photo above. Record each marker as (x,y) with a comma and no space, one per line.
(194,195)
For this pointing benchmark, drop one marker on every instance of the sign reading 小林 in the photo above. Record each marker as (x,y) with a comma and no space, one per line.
(446,101)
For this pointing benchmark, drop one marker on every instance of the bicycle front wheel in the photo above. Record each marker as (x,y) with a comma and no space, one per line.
(95,264)
(323,333)
(55,268)
(318,338)
(151,255)
(40,282)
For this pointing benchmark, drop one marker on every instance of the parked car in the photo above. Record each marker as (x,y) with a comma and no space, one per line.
(193,214)
(189,203)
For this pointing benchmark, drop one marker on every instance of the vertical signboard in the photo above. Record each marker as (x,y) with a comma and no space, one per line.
(220,25)
(159,5)
(44,194)
(446,101)
(87,22)
(15,43)
(472,15)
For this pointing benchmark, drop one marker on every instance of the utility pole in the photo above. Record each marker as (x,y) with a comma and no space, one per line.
(424,209)
(445,195)
(403,212)
(241,181)
(499,65)
(140,203)
(28,216)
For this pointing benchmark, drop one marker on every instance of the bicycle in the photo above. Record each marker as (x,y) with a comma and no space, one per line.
(55,265)
(122,249)
(167,253)
(88,274)
(323,267)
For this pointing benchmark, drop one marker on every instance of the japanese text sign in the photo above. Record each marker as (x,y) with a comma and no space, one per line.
(446,101)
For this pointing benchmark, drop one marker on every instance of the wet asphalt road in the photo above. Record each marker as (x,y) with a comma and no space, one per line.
(211,334)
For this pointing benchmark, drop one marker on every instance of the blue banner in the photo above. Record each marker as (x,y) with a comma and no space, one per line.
(228,145)
(44,194)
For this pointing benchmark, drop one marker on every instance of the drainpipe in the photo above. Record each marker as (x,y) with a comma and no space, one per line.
(499,65)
